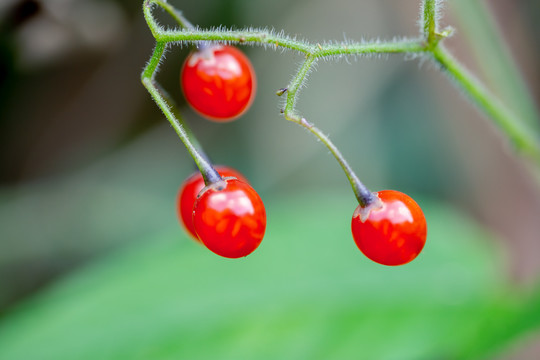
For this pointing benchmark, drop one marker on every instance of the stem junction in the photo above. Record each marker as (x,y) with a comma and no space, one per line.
(428,45)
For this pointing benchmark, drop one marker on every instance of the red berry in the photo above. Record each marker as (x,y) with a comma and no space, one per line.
(189,190)
(230,218)
(218,82)
(392,231)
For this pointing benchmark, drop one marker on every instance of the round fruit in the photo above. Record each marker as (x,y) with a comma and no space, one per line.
(188,192)
(229,218)
(391,231)
(218,82)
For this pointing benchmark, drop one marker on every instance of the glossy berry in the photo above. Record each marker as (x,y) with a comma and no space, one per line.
(394,231)
(230,218)
(218,82)
(188,194)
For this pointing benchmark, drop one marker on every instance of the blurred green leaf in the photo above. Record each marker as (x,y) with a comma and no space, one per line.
(306,293)
(510,322)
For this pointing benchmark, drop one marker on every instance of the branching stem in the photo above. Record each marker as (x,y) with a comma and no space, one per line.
(428,45)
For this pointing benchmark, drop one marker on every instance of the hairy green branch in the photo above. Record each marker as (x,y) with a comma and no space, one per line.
(428,45)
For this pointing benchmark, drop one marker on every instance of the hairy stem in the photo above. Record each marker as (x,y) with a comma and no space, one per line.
(516,130)
(172,11)
(363,195)
(429,21)
(209,174)
(175,14)
(267,38)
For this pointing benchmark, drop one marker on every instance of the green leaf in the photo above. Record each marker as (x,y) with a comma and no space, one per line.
(306,293)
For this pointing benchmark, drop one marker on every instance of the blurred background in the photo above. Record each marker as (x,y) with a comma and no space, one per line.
(89,170)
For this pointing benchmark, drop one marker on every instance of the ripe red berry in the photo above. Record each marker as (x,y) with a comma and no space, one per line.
(230,218)
(188,194)
(392,231)
(218,82)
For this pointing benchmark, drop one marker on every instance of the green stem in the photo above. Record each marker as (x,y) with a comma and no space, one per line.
(429,21)
(263,37)
(172,11)
(512,126)
(209,174)
(366,48)
(150,21)
(518,133)
(498,65)
(362,193)
(175,14)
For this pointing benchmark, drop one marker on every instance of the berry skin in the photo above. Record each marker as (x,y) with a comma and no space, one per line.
(394,231)
(218,82)
(229,218)
(188,192)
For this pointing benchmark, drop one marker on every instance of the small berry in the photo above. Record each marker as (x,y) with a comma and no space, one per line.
(188,192)
(218,82)
(229,218)
(390,231)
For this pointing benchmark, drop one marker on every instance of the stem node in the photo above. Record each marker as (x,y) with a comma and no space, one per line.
(281,91)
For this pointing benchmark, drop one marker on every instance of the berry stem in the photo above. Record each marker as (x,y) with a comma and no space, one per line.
(363,195)
(210,175)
